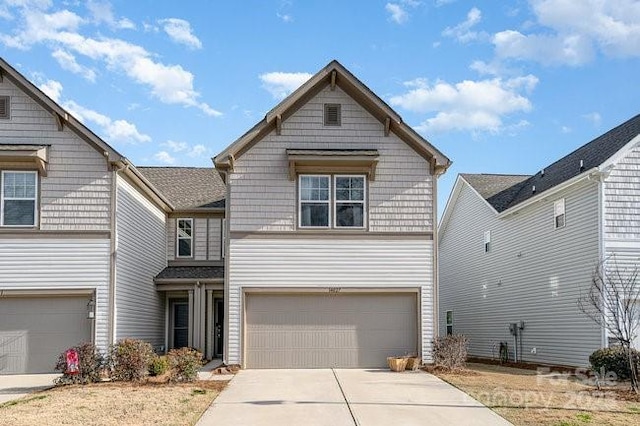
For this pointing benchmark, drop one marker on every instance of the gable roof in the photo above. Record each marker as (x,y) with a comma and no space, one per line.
(333,74)
(188,188)
(62,117)
(589,156)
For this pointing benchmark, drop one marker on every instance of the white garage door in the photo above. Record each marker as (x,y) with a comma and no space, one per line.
(329,330)
(35,330)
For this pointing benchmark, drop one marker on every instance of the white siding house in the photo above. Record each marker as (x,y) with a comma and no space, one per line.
(364,271)
(548,232)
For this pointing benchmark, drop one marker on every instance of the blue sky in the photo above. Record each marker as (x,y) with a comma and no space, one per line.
(499,87)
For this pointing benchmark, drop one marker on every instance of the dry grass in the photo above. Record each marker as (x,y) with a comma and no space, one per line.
(525,398)
(114,404)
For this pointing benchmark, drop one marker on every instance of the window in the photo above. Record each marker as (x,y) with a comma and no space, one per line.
(324,203)
(184,237)
(558,213)
(449,323)
(5,110)
(332,115)
(314,201)
(19,198)
(487,241)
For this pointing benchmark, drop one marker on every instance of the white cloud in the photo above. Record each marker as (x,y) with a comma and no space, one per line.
(176,146)
(468,105)
(198,151)
(171,84)
(443,2)
(285,17)
(101,12)
(52,89)
(164,157)
(397,13)
(565,129)
(463,31)
(112,130)
(184,148)
(594,117)
(68,62)
(180,31)
(573,31)
(281,84)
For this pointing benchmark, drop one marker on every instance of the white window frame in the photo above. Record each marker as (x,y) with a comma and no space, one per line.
(336,201)
(178,238)
(487,241)
(448,324)
(559,209)
(35,199)
(300,201)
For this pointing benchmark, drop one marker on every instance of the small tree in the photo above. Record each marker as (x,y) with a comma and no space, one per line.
(613,302)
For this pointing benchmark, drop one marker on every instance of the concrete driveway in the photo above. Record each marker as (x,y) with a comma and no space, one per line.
(17,386)
(344,397)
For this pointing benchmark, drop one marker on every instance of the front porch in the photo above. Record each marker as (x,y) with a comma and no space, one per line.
(194,308)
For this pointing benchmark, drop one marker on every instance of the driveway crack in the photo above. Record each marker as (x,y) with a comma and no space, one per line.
(353,417)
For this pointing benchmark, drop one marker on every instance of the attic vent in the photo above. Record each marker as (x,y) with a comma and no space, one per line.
(332,115)
(542,172)
(533,189)
(581,164)
(4,107)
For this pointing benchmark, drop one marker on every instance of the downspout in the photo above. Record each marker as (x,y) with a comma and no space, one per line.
(227,210)
(600,181)
(436,269)
(113,254)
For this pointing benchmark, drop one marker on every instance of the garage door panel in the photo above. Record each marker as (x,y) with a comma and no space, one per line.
(321,330)
(35,330)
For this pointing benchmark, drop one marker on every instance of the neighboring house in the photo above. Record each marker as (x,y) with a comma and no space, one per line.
(81,235)
(523,249)
(318,251)
(331,207)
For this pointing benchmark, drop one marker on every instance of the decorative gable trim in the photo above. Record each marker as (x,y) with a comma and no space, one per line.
(26,157)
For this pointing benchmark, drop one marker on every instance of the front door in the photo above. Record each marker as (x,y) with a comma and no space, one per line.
(218,327)
(180,323)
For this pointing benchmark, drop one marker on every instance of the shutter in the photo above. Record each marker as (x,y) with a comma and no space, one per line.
(332,115)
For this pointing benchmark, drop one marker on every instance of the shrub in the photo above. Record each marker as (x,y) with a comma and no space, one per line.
(129,360)
(613,359)
(185,363)
(450,351)
(158,365)
(90,364)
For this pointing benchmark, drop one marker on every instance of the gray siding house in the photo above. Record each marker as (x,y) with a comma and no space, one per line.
(522,249)
(331,207)
(312,243)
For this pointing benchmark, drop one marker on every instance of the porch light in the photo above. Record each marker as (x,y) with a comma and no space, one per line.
(91,309)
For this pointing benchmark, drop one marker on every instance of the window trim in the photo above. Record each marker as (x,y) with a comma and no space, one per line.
(178,238)
(448,324)
(36,199)
(487,241)
(300,201)
(559,204)
(6,99)
(336,202)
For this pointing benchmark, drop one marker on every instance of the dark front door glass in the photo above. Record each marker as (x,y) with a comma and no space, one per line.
(218,327)
(180,324)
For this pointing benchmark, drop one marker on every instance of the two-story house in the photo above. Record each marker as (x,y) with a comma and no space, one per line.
(82,234)
(311,244)
(331,236)
(522,250)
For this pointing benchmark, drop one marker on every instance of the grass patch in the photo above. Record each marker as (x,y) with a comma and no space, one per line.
(110,404)
(525,398)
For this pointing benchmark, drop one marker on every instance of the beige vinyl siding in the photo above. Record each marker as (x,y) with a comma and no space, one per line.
(533,273)
(76,193)
(207,235)
(622,199)
(264,199)
(372,264)
(140,256)
(52,264)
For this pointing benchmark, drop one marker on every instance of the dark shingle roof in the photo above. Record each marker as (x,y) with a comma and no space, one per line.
(191,272)
(188,187)
(593,154)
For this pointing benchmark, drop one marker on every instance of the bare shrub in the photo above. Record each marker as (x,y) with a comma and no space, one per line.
(90,364)
(450,351)
(129,360)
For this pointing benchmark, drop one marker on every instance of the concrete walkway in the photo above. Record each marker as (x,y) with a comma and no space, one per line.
(344,398)
(16,386)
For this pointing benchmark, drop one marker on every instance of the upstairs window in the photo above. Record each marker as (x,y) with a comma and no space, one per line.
(19,198)
(487,241)
(558,213)
(449,323)
(326,203)
(184,237)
